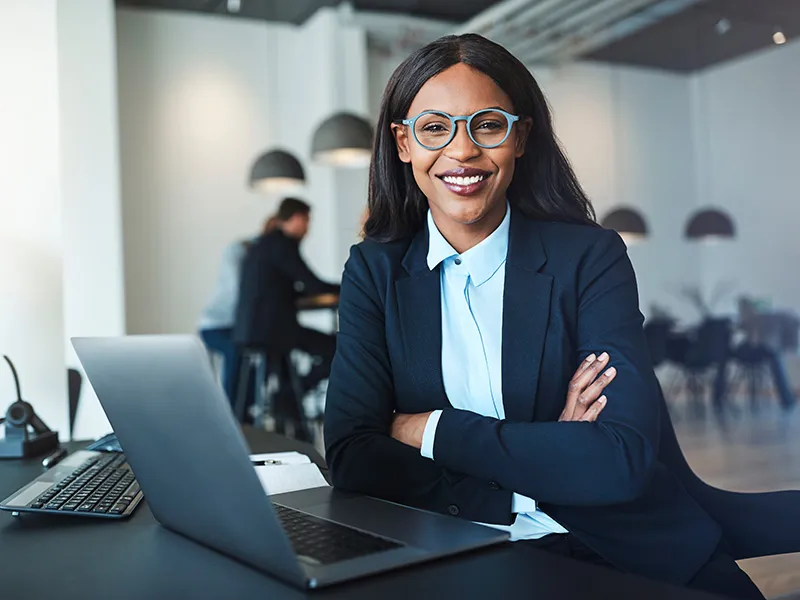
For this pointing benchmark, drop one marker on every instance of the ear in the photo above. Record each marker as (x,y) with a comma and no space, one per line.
(401,139)
(523,130)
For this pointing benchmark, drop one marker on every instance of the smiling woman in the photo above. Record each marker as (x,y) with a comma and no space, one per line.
(479,322)
(461,117)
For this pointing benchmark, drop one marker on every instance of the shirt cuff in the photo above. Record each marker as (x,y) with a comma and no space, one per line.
(522,504)
(429,434)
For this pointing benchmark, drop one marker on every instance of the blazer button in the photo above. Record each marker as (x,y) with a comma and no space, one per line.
(453,510)
(493,485)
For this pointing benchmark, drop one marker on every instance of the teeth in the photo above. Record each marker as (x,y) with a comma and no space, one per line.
(464,180)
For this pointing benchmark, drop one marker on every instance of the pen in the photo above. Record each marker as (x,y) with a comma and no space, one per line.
(269,461)
(54,458)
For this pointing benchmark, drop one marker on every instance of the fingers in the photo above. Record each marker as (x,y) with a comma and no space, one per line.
(594,410)
(587,362)
(593,392)
(587,372)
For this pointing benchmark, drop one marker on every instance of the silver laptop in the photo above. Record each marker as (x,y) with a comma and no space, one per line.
(190,458)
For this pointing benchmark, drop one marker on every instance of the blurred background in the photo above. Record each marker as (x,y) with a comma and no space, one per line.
(139,138)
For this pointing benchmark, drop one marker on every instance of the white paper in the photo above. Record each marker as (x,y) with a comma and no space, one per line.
(282,458)
(279,479)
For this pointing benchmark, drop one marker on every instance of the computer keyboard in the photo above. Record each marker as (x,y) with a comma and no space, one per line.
(102,486)
(326,542)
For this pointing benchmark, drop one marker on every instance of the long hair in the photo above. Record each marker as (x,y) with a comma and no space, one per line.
(544,185)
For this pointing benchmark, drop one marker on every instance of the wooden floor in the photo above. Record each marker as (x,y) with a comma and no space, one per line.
(749,453)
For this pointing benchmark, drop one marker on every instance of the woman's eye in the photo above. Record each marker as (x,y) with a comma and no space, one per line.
(434,128)
(490,125)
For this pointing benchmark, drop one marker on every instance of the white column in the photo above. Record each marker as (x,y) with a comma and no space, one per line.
(31,290)
(331,55)
(92,227)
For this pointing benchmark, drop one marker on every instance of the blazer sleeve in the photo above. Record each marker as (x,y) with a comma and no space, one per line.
(576,463)
(360,404)
(294,267)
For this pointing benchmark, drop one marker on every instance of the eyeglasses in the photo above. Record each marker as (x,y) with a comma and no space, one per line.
(487,128)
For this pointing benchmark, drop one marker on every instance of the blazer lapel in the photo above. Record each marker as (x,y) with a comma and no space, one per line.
(526,312)
(420,308)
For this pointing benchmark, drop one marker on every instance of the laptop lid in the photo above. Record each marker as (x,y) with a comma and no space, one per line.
(185,447)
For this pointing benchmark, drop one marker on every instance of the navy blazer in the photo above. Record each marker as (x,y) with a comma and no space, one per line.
(266,312)
(570,290)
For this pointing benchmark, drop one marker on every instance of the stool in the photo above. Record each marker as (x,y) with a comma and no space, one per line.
(253,359)
(286,396)
(278,391)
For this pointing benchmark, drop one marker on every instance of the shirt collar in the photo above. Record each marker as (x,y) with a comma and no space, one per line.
(481,261)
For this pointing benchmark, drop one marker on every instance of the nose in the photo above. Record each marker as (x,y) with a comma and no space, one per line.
(461,147)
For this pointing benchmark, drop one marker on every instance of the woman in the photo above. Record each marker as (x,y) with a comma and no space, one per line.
(482,284)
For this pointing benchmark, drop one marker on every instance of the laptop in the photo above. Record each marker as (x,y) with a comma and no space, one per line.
(190,458)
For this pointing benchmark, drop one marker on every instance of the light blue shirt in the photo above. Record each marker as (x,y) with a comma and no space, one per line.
(472,287)
(220,312)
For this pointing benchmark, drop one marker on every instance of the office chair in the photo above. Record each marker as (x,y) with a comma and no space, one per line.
(696,355)
(74,385)
(774,526)
(657,333)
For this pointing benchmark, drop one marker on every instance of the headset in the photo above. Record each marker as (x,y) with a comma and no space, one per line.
(20,414)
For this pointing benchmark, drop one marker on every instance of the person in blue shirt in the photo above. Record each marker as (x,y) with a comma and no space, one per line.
(490,361)
(215,324)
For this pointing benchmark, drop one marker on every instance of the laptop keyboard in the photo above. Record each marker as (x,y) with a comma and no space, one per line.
(102,486)
(327,542)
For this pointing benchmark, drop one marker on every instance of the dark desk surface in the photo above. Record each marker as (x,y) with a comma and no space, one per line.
(47,557)
(318,302)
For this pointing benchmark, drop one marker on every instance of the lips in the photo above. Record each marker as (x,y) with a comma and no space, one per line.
(465,181)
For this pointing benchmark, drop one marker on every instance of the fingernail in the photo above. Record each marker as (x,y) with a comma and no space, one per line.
(611,372)
(591,358)
(604,356)
(602,399)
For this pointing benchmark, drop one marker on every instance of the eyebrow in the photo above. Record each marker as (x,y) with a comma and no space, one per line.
(474,111)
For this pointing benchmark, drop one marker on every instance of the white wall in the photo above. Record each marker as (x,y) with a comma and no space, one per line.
(747,123)
(92,228)
(200,98)
(31,291)
(194,112)
(628,135)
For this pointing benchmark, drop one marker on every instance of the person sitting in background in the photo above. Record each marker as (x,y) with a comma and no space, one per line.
(215,324)
(274,275)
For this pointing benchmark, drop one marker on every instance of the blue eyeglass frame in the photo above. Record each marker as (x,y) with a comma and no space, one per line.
(511,119)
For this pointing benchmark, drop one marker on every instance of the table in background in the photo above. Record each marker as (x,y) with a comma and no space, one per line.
(321,302)
(72,557)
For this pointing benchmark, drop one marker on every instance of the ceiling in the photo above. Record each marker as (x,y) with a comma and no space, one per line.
(689,41)
(676,35)
(297,11)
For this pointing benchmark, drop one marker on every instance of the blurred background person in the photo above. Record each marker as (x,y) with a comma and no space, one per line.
(215,324)
(274,277)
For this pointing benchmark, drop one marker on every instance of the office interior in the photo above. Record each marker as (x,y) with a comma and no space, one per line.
(129,129)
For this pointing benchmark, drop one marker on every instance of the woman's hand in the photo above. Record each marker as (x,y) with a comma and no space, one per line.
(584,399)
(409,428)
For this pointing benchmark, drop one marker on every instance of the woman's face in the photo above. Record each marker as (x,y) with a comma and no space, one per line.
(462,90)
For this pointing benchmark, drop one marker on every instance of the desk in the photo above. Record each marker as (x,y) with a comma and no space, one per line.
(321,302)
(46,557)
